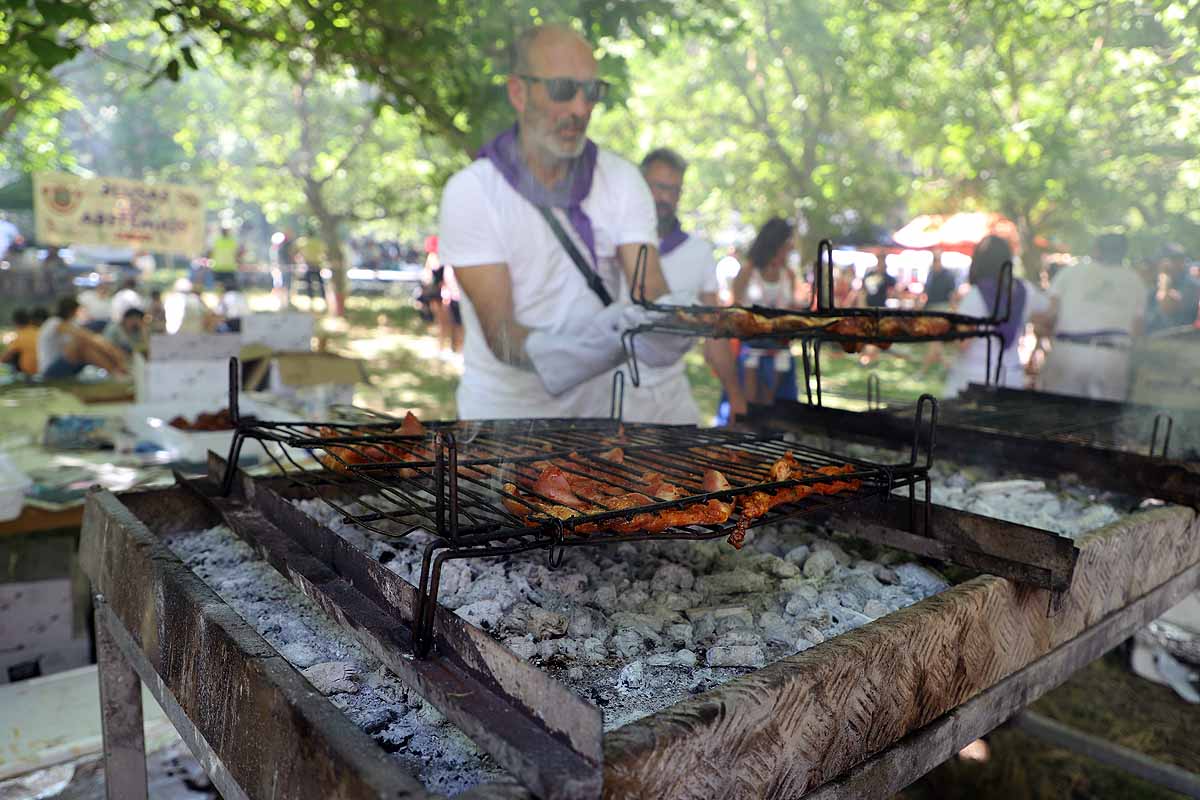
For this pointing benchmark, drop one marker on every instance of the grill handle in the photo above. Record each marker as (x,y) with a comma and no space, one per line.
(926,401)
(823,276)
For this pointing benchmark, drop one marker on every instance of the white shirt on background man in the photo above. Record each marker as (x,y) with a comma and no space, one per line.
(51,343)
(8,234)
(483,220)
(1100,300)
(123,301)
(1095,297)
(95,306)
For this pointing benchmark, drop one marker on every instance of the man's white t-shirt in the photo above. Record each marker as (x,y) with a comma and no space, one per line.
(484,221)
(95,306)
(123,301)
(1094,297)
(51,343)
(690,271)
(8,235)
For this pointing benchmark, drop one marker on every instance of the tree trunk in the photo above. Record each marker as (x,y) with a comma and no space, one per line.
(1031,254)
(337,263)
(327,224)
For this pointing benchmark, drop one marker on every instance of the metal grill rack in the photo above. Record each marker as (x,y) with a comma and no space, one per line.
(1135,450)
(450,480)
(667,319)
(1099,424)
(1096,424)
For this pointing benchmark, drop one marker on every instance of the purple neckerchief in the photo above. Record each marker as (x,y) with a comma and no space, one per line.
(505,154)
(1016,317)
(673,239)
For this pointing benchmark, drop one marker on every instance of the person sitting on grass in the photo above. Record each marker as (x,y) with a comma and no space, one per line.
(21,352)
(65,348)
(129,333)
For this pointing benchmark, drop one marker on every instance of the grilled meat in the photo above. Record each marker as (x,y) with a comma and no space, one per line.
(929,326)
(341,457)
(757,504)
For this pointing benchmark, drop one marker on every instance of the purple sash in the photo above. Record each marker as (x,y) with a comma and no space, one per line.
(1016,318)
(505,154)
(673,239)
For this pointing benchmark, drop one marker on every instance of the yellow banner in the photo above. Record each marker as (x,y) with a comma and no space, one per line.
(156,217)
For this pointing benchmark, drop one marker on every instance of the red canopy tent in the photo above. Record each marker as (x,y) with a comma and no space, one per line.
(959,232)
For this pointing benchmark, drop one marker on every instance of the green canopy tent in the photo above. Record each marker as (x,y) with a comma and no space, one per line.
(18,195)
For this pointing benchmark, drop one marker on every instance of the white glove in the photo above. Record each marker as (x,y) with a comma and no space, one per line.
(661,349)
(565,360)
(655,349)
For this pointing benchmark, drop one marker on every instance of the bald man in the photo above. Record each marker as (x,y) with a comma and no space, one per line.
(542,231)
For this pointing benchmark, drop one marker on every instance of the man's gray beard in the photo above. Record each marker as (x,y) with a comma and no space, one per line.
(570,153)
(549,143)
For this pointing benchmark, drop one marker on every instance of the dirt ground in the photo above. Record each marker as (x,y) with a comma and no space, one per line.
(1103,699)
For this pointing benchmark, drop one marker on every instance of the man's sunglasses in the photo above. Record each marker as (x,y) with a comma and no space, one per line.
(562,90)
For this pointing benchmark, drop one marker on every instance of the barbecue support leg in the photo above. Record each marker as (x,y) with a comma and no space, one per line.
(121,719)
(1129,761)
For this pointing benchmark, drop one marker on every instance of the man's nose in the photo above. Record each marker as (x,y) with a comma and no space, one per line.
(579,105)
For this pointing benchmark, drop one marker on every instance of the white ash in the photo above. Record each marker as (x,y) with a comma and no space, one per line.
(427,746)
(1065,505)
(1062,507)
(638,627)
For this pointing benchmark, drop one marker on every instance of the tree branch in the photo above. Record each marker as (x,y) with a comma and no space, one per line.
(803,181)
(361,136)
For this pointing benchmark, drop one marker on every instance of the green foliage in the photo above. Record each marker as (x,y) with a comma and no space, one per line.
(312,147)
(1068,117)
(442,63)
(775,122)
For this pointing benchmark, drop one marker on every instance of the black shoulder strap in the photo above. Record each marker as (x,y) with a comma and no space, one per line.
(589,274)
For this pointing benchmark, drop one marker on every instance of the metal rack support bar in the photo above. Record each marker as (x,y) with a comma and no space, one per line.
(1142,766)
(120,716)
(1017,552)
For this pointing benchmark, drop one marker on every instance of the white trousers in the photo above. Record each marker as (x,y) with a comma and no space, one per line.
(1084,370)
(666,403)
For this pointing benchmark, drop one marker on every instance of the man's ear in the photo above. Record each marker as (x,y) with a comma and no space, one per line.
(518,93)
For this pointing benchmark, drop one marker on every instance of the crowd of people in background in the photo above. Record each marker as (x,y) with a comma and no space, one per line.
(1072,325)
(105,325)
(1078,320)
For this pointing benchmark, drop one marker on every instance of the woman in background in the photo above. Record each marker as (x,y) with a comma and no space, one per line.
(766,369)
(971,366)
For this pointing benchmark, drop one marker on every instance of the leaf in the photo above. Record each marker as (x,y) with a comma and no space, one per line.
(59,13)
(188,59)
(50,53)
(172,70)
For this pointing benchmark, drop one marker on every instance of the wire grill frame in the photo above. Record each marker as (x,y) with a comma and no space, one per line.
(449,480)
(1099,424)
(961,326)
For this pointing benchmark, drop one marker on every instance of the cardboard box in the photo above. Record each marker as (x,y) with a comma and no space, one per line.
(185,367)
(281,331)
(181,381)
(315,381)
